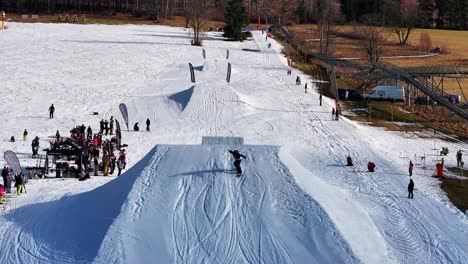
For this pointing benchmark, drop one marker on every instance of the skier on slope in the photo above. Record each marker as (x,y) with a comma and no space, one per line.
(148,123)
(51,111)
(410,189)
(25,135)
(320,98)
(237,161)
(410,168)
(459,159)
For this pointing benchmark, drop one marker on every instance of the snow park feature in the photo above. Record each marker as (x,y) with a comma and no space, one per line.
(179,200)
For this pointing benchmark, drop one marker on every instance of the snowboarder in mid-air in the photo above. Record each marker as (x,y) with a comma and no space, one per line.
(51,111)
(237,161)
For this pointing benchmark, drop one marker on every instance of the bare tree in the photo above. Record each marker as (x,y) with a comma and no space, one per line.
(371,39)
(326,13)
(403,18)
(197,10)
(283,10)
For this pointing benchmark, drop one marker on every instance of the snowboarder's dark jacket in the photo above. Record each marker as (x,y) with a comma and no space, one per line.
(237,155)
(411,186)
(19,179)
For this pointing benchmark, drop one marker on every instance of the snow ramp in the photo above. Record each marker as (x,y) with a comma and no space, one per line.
(186,205)
(181,204)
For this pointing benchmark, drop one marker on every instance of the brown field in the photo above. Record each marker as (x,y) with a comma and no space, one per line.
(118,19)
(453,44)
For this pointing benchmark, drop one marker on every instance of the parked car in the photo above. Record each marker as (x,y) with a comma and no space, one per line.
(349,94)
(424,100)
(454,98)
(386,93)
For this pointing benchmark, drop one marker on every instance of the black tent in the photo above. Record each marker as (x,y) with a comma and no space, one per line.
(68,148)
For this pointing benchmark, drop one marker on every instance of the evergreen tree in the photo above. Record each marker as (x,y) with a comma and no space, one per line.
(457,14)
(235,17)
(443,13)
(427,8)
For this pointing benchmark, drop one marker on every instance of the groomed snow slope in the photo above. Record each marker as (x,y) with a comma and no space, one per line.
(93,68)
(188,206)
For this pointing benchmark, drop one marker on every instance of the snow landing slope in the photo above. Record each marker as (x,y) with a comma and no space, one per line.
(181,204)
(187,206)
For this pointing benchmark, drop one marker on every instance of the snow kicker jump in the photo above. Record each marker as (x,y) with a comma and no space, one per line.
(187,206)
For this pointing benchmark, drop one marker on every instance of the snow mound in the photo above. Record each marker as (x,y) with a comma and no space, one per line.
(182,98)
(187,206)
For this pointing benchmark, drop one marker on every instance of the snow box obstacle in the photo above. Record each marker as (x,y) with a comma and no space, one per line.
(182,98)
(186,205)
(222,141)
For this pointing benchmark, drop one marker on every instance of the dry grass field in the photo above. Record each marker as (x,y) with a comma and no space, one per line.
(454,46)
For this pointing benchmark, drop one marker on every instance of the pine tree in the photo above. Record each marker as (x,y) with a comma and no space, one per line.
(427,8)
(236,17)
(457,15)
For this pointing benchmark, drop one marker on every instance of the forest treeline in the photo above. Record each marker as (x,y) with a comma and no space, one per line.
(444,14)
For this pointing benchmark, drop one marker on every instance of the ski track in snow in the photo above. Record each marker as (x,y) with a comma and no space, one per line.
(212,217)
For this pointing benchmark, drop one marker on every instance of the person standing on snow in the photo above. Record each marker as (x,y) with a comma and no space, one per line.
(57,135)
(19,183)
(148,123)
(410,189)
(111,125)
(5,172)
(101,125)
(25,135)
(51,111)
(89,133)
(119,167)
(112,163)
(2,193)
(305,88)
(35,146)
(410,168)
(106,127)
(123,158)
(459,159)
(333,112)
(320,99)
(237,161)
